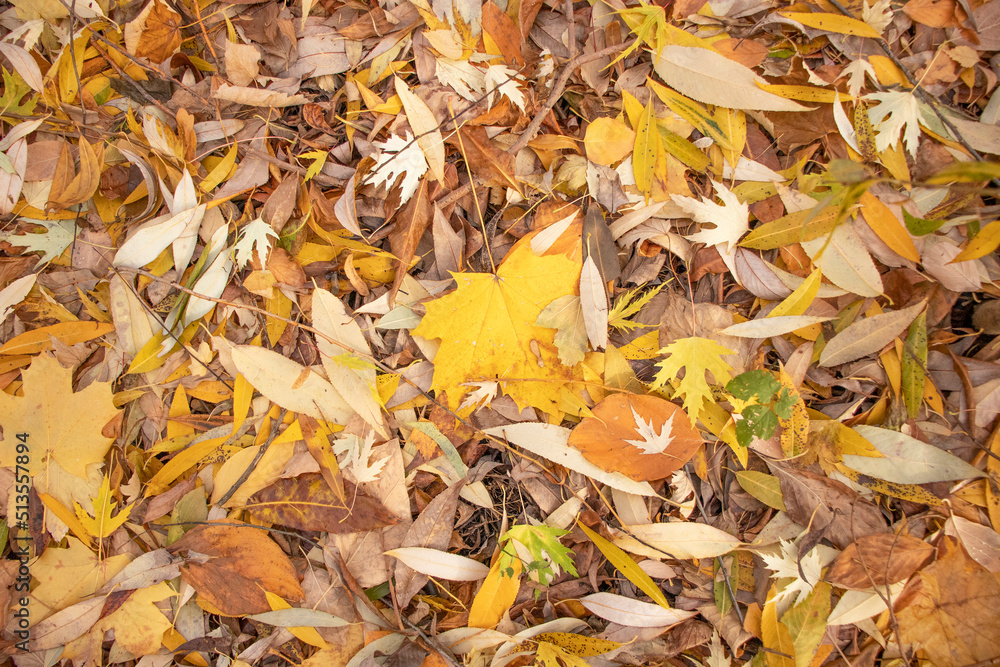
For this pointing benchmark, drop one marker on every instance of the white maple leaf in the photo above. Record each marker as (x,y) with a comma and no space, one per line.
(855,73)
(716,655)
(51,243)
(731,218)
(788,565)
(399,156)
(483,393)
(504,82)
(464,77)
(652,442)
(878,16)
(897,114)
(361,468)
(254,237)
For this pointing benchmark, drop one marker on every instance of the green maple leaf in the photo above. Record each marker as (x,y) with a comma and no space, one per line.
(51,243)
(696,356)
(542,542)
(14,90)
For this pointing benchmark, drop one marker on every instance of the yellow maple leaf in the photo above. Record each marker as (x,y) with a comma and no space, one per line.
(102,524)
(138,624)
(67,576)
(52,423)
(488,332)
(696,356)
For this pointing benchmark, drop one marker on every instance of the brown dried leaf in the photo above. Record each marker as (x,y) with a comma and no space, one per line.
(307,502)
(828,507)
(243,563)
(877,560)
(161,35)
(949,609)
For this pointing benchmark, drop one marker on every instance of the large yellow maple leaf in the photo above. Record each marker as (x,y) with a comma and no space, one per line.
(488,332)
(52,423)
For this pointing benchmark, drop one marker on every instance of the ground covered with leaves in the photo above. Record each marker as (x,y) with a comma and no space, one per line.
(500,333)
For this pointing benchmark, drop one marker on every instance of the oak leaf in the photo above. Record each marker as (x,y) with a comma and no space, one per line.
(487,330)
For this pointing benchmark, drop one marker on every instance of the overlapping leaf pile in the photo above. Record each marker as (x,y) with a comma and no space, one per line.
(500,333)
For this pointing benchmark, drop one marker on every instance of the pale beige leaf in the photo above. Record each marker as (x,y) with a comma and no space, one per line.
(440,564)
(633,613)
(867,336)
(594,302)
(908,460)
(425,127)
(290,384)
(845,261)
(711,78)
(152,238)
(772,326)
(345,357)
(680,540)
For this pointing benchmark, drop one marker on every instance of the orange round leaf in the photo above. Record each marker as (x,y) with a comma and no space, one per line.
(643,437)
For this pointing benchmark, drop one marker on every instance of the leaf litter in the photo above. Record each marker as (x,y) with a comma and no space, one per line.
(500,333)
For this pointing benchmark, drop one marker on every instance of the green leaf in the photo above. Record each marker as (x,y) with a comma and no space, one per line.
(919,226)
(624,564)
(543,544)
(746,386)
(914,364)
(806,623)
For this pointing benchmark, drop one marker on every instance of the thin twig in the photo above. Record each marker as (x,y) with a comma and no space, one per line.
(245,475)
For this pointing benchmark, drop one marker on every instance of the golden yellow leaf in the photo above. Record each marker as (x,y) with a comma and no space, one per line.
(608,141)
(102,524)
(487,330)
(497,593)
(56,423)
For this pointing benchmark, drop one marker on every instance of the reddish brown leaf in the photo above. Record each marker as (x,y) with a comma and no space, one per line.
(877,560)
(244,562)
(644,437)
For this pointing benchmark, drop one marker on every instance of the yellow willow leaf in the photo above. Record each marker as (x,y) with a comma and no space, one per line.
(647,139)
(798,301)
(888,227)
(496,595)
(804,225)
(985,242)
(776,636)
(624,564)
(222,170)
(837,23)
(808,94)
(66,516)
